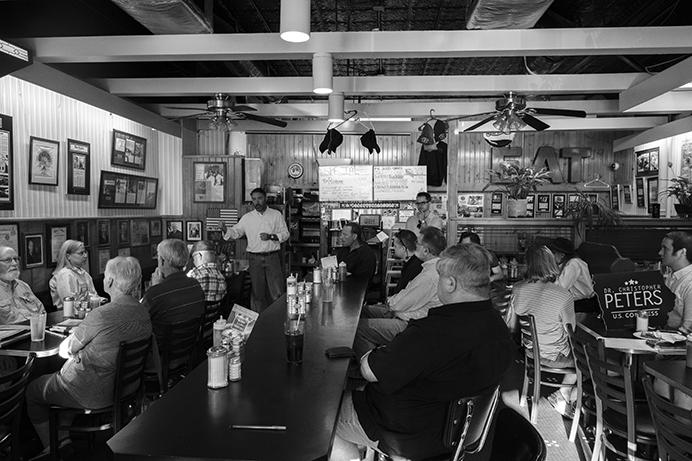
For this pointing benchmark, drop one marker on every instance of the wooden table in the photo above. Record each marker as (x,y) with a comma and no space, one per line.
(673,372)
(46,348)
(194,422)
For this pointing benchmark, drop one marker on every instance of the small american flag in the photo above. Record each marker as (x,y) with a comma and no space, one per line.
(216,215)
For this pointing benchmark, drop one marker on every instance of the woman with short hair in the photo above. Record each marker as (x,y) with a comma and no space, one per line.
(69,277)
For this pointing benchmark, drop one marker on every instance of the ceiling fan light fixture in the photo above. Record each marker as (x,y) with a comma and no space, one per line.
(322,73)
(295,21)
(336,107)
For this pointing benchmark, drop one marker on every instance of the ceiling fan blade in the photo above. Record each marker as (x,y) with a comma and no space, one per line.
(270,121)
(533,122)
(563,112)
(197,115)
(463,117)
(242,109)
(186,108)
(481,123)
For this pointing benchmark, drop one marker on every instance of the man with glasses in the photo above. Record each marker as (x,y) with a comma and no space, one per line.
(424,216)
(381,323)
(206,273)
(17,301)
(405,249)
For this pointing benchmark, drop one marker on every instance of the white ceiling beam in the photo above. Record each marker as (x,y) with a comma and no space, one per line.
(668,103)
(562,124)
(654,86)
(453,85)
(681,126)
(318,109)
(352,45)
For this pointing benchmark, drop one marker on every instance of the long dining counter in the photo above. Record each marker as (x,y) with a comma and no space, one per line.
(194,422)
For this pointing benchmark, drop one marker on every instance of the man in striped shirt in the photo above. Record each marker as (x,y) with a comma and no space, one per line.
(173,297)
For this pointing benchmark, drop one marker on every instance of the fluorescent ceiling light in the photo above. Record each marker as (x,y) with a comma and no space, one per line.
(385,119)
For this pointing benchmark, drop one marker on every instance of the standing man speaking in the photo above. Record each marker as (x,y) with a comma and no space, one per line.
(265,229)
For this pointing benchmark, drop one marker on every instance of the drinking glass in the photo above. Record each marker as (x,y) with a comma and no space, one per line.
(37,324)
(294,332)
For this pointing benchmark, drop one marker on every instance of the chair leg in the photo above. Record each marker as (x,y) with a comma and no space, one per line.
(536,394)
(524,388)
(598,441)
(577,415)
(53,421)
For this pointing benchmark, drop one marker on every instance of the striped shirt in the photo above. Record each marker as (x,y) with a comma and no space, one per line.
(552,307)
(176,299)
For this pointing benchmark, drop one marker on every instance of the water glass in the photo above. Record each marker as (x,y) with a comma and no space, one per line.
(37,323)
(294,332)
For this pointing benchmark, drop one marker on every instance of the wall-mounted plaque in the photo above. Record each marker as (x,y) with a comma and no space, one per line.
(128,150)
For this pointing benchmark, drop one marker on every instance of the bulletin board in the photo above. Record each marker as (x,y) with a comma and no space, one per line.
(341,183)
(399,182)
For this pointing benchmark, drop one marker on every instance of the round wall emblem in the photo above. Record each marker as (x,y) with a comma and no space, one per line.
(295,170)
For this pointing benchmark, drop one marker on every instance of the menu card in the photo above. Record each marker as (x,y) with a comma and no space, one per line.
(241,320)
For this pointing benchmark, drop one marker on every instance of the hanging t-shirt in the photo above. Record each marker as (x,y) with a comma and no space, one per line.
(436,161)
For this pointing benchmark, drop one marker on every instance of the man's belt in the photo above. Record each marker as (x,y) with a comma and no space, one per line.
(263,253)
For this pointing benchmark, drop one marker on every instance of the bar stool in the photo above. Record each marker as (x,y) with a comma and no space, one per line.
(673,425)
(533,368)
(176,350)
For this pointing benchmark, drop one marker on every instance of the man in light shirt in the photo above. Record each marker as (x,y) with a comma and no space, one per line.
(265,229)
(676,252)
(381,323)
(424,217)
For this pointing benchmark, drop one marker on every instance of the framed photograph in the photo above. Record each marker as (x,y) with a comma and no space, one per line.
(209,182)
(123,232)
(56,234)
(559,205)
(652,191)
(78,167)
(530,206)
(6,162)
(496,203)
(543,203)
(128,150)
(44,159)
(139,232)
(174,230)
(104,256)
(33,250)
(9,236)
(627,193)
(124,251)
(653,161)
(647,162)
(155,227)
(103,229)
(120,190)
(83,232)
(641,200)
(194,230)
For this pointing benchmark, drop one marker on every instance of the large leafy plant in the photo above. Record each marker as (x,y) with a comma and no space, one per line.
(584,211)
(518,182)
(680,188)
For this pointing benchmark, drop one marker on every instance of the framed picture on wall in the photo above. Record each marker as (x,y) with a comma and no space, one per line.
(174,230)
(647,162)
(103,230)
(82,232)
(78,167)
(6,159)
(123,232)
(559,205)
(641,200)
(627,193)
(128,150)
(209,182)
(615,197)
(194,230)
(530,206)
(9,236)
(155,227)
(652,191)
(44,159)
(33,250)
(104,256)
(56,235)
(139,232)
(543,203)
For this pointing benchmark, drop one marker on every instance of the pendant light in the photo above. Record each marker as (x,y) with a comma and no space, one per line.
(295,21)
(322,73)
(336,107)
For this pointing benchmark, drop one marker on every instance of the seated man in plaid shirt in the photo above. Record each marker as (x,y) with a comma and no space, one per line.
(206,273)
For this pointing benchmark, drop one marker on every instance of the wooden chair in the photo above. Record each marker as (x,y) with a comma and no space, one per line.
(127,397)
(532,366)
(12,390)
(467,425)
(206,332)
(176,348)
(673,425)
(516,439)
(617,412)
(500,296)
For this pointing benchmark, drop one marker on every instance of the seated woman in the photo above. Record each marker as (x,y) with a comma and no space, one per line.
(553,308)
(69,277)
(86,380)
(574,275)
(17,301)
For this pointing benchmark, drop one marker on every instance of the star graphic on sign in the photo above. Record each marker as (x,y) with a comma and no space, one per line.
(631,282)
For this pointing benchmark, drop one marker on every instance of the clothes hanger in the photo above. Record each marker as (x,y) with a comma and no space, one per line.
(351,115)
(596,183)
(430,119)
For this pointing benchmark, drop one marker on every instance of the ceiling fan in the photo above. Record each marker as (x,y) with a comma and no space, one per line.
(511,114)
(223,112)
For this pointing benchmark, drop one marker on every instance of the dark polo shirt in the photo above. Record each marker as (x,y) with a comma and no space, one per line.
(458,350)
(409,270)
(361,262)
(176,299)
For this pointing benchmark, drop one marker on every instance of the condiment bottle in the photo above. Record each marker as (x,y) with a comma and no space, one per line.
(217,371)
(234,369)
(316,275)
(68,307)
(219,326)
(342,271)
(291,285)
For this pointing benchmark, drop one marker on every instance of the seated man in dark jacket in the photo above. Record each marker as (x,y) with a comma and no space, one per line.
(358,256)
(405,249)
(460,349)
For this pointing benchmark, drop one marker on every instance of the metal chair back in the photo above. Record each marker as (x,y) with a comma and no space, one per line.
(673,425)
(12,390)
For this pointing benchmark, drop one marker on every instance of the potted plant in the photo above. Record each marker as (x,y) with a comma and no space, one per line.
(517,182)
(586,213)
(681,189)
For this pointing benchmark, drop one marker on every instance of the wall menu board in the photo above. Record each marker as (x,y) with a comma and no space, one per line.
(119,190)
(340,183)
(399,182)
(622,294)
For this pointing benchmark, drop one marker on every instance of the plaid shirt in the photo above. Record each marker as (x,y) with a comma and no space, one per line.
(212,281)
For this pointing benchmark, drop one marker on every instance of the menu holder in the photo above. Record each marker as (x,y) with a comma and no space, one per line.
(242,320)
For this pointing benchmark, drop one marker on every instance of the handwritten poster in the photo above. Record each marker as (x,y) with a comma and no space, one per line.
(399,182)
(339,183)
